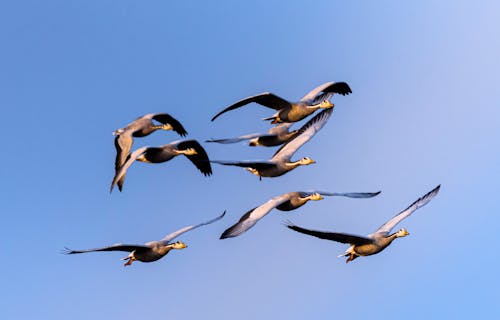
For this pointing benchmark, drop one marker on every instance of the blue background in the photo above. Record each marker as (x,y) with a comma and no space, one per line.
(424,111)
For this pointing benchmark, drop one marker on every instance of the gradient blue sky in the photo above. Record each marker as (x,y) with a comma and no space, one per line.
(424,111)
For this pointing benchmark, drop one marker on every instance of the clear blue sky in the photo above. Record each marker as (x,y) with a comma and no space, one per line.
(424,110)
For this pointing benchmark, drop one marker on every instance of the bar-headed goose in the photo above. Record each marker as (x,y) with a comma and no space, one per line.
(294,111)
(275,136)
(281,162)
(285,202)
(141,127)
(190,148)
(151,251)
(375,242)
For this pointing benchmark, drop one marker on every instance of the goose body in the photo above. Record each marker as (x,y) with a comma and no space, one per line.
(285,202)
(287,111)
(375,242)
(151,251)
(281,162)
(190,148)
(141,127)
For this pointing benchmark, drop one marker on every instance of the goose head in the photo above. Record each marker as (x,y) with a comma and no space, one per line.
(189,152)
(254,142)
(306,161)
(402,233)
(326,104)
(178,245)
(316,197)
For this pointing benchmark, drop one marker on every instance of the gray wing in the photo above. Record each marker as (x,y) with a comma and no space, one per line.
(334,236)
(326,91)
(177,233)
(265,99)
(305,133)
(250,218)
(422,201)
(259,165)
(280,127)
(349,194)
(115,247)
(123,144)
(238,139)
(123,169)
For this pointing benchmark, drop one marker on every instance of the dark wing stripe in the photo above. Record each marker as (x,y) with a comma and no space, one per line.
(246,164)
(266,99)
(116,247)
(165,118)
(200,160)
(238,228)
(339,237)
(339,88)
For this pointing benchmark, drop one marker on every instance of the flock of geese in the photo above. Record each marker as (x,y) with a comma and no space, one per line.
(280,163)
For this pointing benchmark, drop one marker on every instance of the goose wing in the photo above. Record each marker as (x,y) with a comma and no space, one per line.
(334,236)
(238,139)
(326,91)
(304,134)
(422,201)
(123,169)
(200,159)
(115,247)
(123,144)
(348,194)
(177,233)
(259,165)
(165,118)
(265,99)
(250,218)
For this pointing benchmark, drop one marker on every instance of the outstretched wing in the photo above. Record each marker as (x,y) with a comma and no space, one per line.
(238,139)
(165,118)
(115,247)
(305,133)
(349,194)
(177,233)
(123,144)
(326,91)
(265,99)
(250,218)
(259,165)
(422,201)
(123,169)
(334,236)
(200,159)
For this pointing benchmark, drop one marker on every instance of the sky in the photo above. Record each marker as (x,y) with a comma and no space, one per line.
(424,111)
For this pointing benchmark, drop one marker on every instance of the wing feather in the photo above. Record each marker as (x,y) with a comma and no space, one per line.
(334,236)
(265,99)
(419,203)
(177,233)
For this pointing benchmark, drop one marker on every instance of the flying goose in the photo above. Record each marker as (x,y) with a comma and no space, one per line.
(141,127)
(294,111)
(280,163)
(275,136)
(150,251)
(375,242)
(190,148)
(285,202)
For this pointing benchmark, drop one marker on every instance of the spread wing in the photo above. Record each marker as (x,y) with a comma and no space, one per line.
(115,247)
(349,194)
(177,233)
(326,91)
(165,118)
(238,139)
(265,99)
(250,218)
(123,144)
(259,165)
(305,133)
(422,201)
(123,169)
(334,236)
(200,159)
